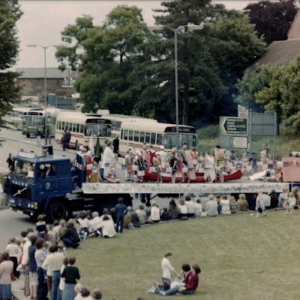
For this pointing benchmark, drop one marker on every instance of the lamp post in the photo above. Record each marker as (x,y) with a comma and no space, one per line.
(45,88)
(192,27)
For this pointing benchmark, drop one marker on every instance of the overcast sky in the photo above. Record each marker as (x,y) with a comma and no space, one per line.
(43,21)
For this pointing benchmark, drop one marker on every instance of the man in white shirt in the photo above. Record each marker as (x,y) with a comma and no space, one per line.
(53,264)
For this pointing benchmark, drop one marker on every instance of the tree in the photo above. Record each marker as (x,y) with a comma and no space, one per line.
(253,82)
(106,59)
(283,94)
(9,92)
(209,61)
(272,20)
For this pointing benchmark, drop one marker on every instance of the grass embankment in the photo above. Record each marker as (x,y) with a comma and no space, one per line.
(208,138)
(241,258)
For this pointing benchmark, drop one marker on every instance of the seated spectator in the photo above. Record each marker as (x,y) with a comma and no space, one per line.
(141,214)
(173,210)
(165,216)
(183,209)
(198,208)
(154,216)
(225,203)
(127,220)
(71,237)
(78,287)
(107,227)
(233,205)
(135,220)
(95,222)
(113,215)
(190,207)
(212,207)
(242,203)
(62,228)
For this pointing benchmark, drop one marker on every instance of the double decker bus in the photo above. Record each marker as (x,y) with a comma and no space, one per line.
(134,135)
(81,128)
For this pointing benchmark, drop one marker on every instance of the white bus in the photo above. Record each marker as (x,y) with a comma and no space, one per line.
(134,135)
(116,122)
(82,127)
(15,117)
(38,118)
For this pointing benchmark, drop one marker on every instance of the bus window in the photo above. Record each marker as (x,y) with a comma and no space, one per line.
(81,128)
(159,139)
(142,136)
(136,136)
(130,135)
(77,128)
(62,125)
(147,140)
(153,136)
(125,134)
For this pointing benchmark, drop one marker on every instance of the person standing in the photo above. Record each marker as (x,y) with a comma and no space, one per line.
(64,140)
(33,275)
(120,212)
(6,269)
(71,275)
(53,263)
(163,156)
(40,256)
(9,162)
(108,157)
(116,143)
(38,135)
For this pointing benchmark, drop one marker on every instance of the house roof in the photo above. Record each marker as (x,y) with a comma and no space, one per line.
(294,31)
(280,52)
(40,73)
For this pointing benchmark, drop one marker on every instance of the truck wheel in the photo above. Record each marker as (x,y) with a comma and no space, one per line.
(56,211)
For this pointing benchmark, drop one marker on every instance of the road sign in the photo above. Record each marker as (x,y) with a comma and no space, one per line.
(239,142)
(234,126)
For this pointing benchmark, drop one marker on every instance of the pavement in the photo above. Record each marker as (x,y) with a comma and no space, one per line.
(17,291)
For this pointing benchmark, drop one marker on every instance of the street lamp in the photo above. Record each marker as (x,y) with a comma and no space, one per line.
(45,88)
(191,27)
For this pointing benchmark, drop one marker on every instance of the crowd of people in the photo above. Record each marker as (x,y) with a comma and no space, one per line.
(183,163)
(40,254)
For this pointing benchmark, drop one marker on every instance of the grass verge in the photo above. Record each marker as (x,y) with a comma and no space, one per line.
(241,258)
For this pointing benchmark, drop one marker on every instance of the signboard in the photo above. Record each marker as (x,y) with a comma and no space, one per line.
(170,188)
(263,124)
(239,142)
(234,126)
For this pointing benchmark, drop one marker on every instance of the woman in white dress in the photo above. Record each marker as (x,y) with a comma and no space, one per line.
(209,166)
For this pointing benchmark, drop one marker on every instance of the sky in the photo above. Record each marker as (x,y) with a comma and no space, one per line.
(43,21)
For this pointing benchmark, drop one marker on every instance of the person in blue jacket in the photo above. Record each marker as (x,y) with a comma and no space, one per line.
(120,212)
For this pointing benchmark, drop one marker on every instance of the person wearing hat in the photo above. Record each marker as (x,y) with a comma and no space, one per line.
(108,157)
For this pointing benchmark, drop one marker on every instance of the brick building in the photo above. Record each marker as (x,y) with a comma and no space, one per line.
(32,82)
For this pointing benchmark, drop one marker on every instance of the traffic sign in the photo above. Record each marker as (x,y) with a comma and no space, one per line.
(234,126)
(239,142)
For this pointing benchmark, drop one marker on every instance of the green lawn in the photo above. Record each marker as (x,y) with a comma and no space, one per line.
(241,258)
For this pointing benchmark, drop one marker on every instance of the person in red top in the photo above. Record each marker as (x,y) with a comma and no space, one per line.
(191,281)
